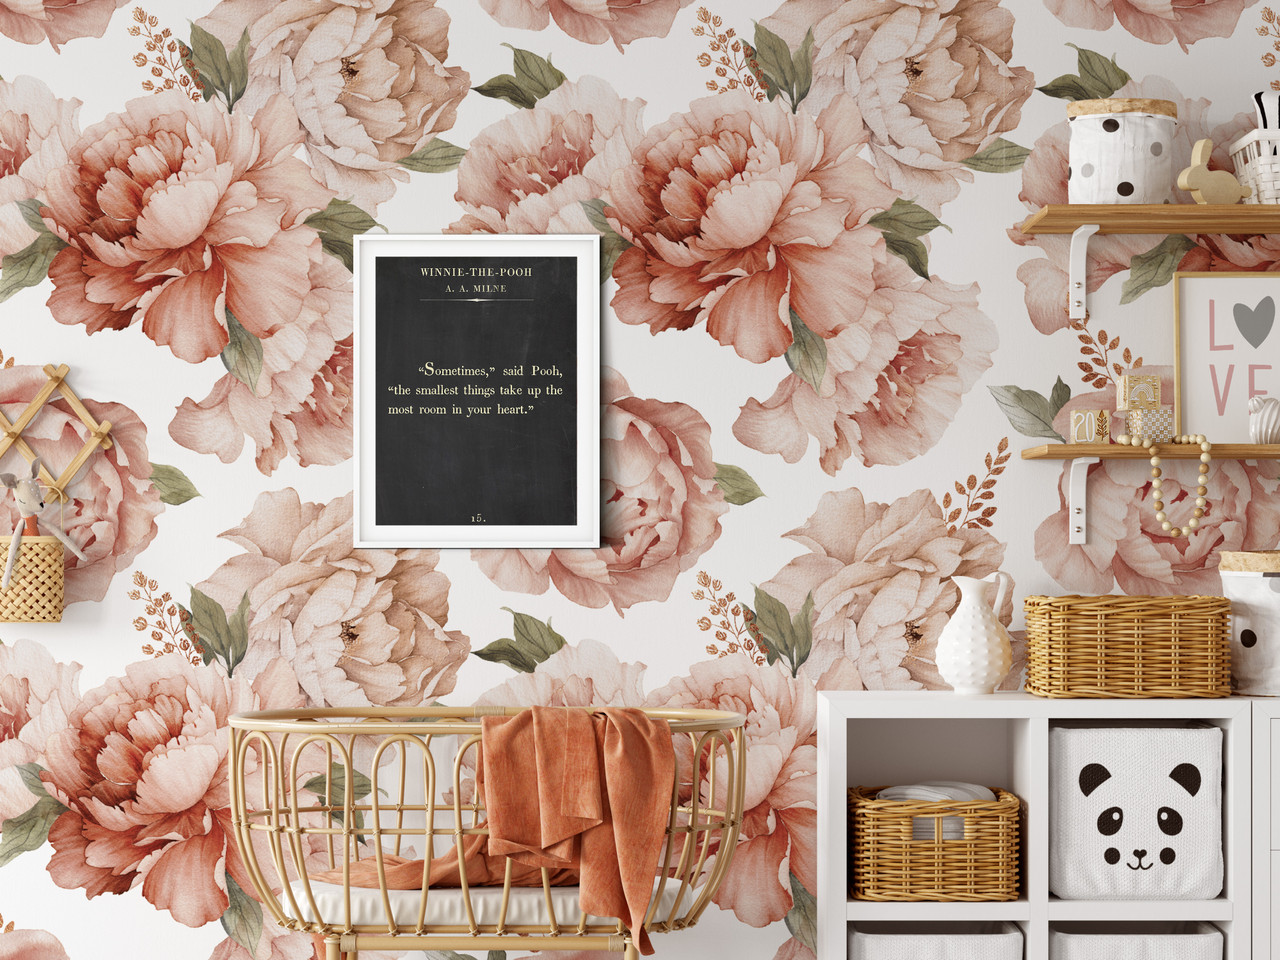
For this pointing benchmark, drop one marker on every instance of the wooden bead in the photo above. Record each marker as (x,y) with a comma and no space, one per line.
(1201,491)
(1175,532)
(1201,501)
(1166,526)
(1192,523)
(1155,472)
(1161,516)
(1206,458)
(1158,504)
(1197,513)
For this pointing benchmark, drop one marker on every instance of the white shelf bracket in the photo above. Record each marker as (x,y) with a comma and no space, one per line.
(1077,272)
(1078,500)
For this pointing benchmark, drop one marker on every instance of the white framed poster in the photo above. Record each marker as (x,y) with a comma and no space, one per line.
(1227,341)
(477,391)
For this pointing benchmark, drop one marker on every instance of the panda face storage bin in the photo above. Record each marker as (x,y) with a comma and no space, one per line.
(1135,813)
(1121,151)
(1251,581)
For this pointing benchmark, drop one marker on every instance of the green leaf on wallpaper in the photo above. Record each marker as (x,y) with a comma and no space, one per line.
(534,78)
(1030,413)
(172,484)
(338,224)
(242,919)
(28,266)
(31,214)
(533,642)
(784,637)
(807,355)
(496,955)
(30,774)
(226,75)
(1058,396)
(29,830)
(1156,267)
(783,73)
(453,955)
(534,73)
(334,796)
(1001,156)
(736,484)
(438,156)
(242,356)
(612,244)
(1098,78)
(802,918)
(219,636)
(902,225)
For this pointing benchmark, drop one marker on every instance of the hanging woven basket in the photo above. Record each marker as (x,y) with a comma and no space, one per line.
(35,590)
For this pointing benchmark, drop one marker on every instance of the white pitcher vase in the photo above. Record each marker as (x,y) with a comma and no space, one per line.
(974,651)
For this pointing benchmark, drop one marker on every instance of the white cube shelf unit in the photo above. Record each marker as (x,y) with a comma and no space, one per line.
(868,738)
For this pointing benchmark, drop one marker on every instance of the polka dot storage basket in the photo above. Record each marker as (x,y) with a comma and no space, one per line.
(1121,151)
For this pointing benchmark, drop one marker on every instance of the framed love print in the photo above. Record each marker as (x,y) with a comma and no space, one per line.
(1227,341)
(477,382)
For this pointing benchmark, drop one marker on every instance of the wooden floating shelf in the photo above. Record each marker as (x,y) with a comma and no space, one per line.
(1168,451)
(1237,218)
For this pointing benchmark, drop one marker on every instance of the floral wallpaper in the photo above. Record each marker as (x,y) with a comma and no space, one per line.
(825,343)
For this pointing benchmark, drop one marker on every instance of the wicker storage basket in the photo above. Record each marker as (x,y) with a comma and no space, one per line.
(1130,647)
(889,862)
(1256,157)
(35,590)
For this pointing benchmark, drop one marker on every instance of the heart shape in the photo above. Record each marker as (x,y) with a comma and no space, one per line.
(1255,324)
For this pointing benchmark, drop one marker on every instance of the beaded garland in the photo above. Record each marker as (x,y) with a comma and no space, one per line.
(1206,458)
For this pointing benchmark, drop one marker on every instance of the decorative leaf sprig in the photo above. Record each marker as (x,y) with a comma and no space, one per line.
(533,79)
(735,66)
(1098,78)
(731,621)
(1101,369)
(781,71)
(783,636)
(532,643)
(217,636)
(977,494)
(169,65)
(166,626)
(1032,413)
(902,226)
(1271,30)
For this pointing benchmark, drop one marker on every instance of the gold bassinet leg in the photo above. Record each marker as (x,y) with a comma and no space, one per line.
(630,952)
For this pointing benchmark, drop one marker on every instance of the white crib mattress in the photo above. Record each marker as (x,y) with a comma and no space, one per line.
(445,905)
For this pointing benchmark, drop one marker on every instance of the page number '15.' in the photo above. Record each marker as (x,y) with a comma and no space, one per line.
(477,518)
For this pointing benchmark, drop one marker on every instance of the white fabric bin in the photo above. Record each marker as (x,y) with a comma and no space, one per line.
(1136,941)
(936,941)
(1135,812)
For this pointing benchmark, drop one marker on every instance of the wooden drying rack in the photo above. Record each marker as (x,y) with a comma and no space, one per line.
(11,433)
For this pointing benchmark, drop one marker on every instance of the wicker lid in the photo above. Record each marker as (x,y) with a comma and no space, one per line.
(1249,561)
(1082,108)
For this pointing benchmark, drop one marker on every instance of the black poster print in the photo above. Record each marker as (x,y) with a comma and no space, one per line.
(476,390)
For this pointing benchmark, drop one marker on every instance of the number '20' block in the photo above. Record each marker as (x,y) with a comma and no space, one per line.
(1090,426)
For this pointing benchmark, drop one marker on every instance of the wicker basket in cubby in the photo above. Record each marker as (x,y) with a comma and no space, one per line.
(893,858)
(1128,647)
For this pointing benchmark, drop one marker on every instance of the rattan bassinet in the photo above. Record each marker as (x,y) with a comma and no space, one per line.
(321,790)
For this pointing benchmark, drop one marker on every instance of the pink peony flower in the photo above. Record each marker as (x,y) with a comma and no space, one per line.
(36,695)
(1155,22)
(31,945)
(893,381)
(142,768)
(591,21)
(879,574)
(112,510)
(933,80)
(1127,547)
(531,171)
(176,212)
(1044,181)
(359,627)
(36,128)
(301,405)
(661,509)
(368,80)
(34,21)
(742,212)
(779,829)
(276,943)
(586,675)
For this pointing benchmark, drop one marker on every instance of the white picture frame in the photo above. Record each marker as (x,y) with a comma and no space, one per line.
(1227,349)
(477,391)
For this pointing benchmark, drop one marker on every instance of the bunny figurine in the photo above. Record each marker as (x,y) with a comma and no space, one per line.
(30,502)
(1210,186)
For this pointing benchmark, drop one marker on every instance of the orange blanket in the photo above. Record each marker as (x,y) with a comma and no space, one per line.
(586,795)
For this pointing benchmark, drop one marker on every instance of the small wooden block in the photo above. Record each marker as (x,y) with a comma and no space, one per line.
(1090,426)
(1154,425)
(1138,391)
